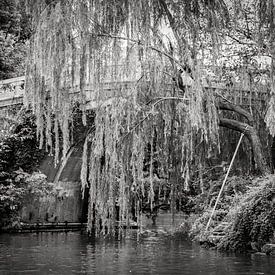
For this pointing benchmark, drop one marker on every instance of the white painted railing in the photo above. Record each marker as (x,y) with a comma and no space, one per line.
(12,92)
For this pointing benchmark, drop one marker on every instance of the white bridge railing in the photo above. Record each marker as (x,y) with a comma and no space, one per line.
(12,93)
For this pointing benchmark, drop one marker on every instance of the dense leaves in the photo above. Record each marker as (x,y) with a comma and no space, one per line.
(20,149)
(103,44)
(127,60)
(247,209)
(14,32)
(19,154)
(253,225)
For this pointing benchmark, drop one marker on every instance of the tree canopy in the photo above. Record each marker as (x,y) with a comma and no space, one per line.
(15,30)
(127,60)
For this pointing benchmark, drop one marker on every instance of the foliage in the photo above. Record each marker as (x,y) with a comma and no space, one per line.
(92,43)
(10,200)
(248,208)
(19,154)
(20,149)
(253,220)
(14,32)
(146,122)
(235,189)
(12,56)
(23,189)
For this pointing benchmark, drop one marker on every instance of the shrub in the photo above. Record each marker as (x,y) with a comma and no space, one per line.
(19,156)
(253,221)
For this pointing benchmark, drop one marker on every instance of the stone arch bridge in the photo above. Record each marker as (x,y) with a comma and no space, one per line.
(71,207)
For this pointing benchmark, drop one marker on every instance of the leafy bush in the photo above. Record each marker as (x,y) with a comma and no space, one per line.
(247,205)
(10,200)
(15,30)
(26,188)
(233,191)
(19,156)
(253,221)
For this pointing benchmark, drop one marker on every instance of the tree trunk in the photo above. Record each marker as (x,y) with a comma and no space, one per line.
(254,139)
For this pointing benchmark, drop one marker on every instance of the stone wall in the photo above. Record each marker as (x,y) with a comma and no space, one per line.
(66,204)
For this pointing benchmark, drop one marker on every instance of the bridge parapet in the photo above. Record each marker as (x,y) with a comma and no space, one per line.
(12,91)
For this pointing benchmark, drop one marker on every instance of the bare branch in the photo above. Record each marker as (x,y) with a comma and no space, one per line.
(235,125)
(251,133)
(222,105)
(241,42)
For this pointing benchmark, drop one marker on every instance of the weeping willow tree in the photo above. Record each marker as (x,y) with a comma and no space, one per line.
(126,60)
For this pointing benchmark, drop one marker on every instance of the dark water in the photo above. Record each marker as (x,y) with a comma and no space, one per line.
(73,253)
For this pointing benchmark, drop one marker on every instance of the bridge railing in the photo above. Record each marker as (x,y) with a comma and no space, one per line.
(12,92)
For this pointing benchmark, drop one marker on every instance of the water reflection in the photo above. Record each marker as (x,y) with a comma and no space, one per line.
(73,253)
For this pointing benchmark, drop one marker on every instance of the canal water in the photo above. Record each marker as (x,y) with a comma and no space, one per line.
(153,253)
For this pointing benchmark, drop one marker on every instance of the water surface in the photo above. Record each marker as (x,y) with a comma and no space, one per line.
(154,253)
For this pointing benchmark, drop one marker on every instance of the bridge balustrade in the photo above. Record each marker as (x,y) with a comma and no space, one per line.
(12,92)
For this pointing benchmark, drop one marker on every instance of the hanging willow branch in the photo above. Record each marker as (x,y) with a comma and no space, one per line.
(152,113)
(87,46)
(138,42)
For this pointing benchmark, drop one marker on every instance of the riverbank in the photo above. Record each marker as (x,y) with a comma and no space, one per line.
(244,220)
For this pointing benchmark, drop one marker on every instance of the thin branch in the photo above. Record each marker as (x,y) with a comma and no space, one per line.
(150,113)
(241,42)
(140,43)
(223,97)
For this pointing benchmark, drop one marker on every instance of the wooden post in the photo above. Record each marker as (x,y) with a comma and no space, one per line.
(224,181)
